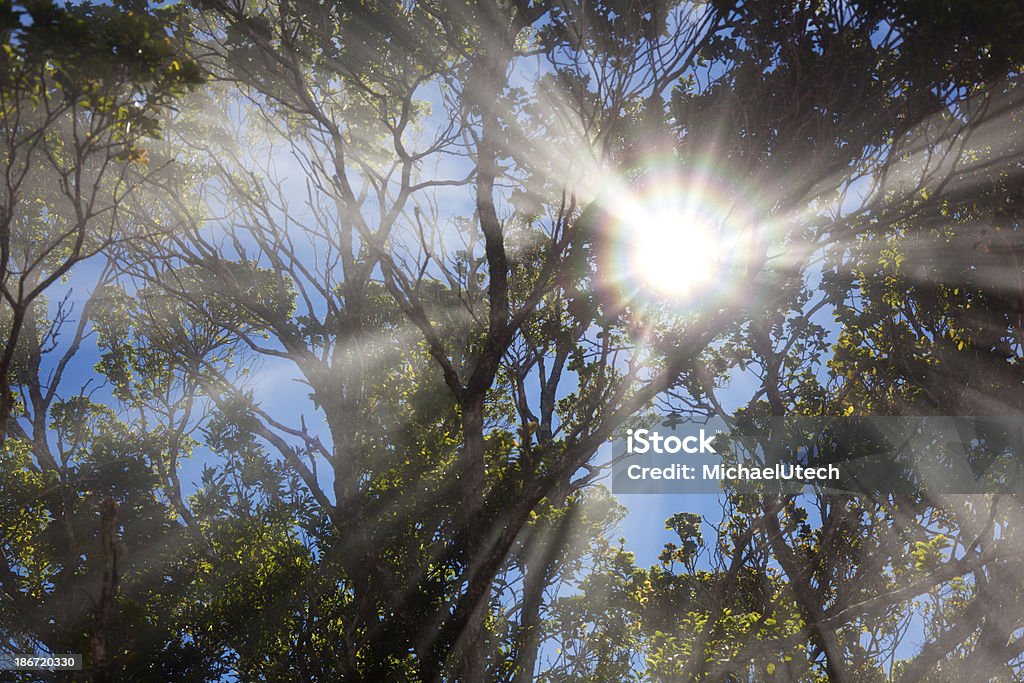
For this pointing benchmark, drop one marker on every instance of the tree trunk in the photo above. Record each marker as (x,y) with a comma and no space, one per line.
(539,567)
(469,643)
(108,592)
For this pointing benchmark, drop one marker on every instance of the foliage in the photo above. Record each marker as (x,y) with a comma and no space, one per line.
(333,406)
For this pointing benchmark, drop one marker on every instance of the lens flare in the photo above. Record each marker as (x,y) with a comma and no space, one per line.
(681,238)
(674,254)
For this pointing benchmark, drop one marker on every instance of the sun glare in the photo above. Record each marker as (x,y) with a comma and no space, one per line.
(679,240)
(675,254)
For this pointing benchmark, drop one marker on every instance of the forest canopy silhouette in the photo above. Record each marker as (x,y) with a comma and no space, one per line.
(317,318)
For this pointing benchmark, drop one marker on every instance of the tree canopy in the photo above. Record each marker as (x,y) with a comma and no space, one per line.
(318,315)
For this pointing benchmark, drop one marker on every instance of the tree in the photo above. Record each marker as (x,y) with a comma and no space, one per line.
(417,210)
(81,88)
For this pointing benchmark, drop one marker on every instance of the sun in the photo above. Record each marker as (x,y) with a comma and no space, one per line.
(674,254)
(676,238)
